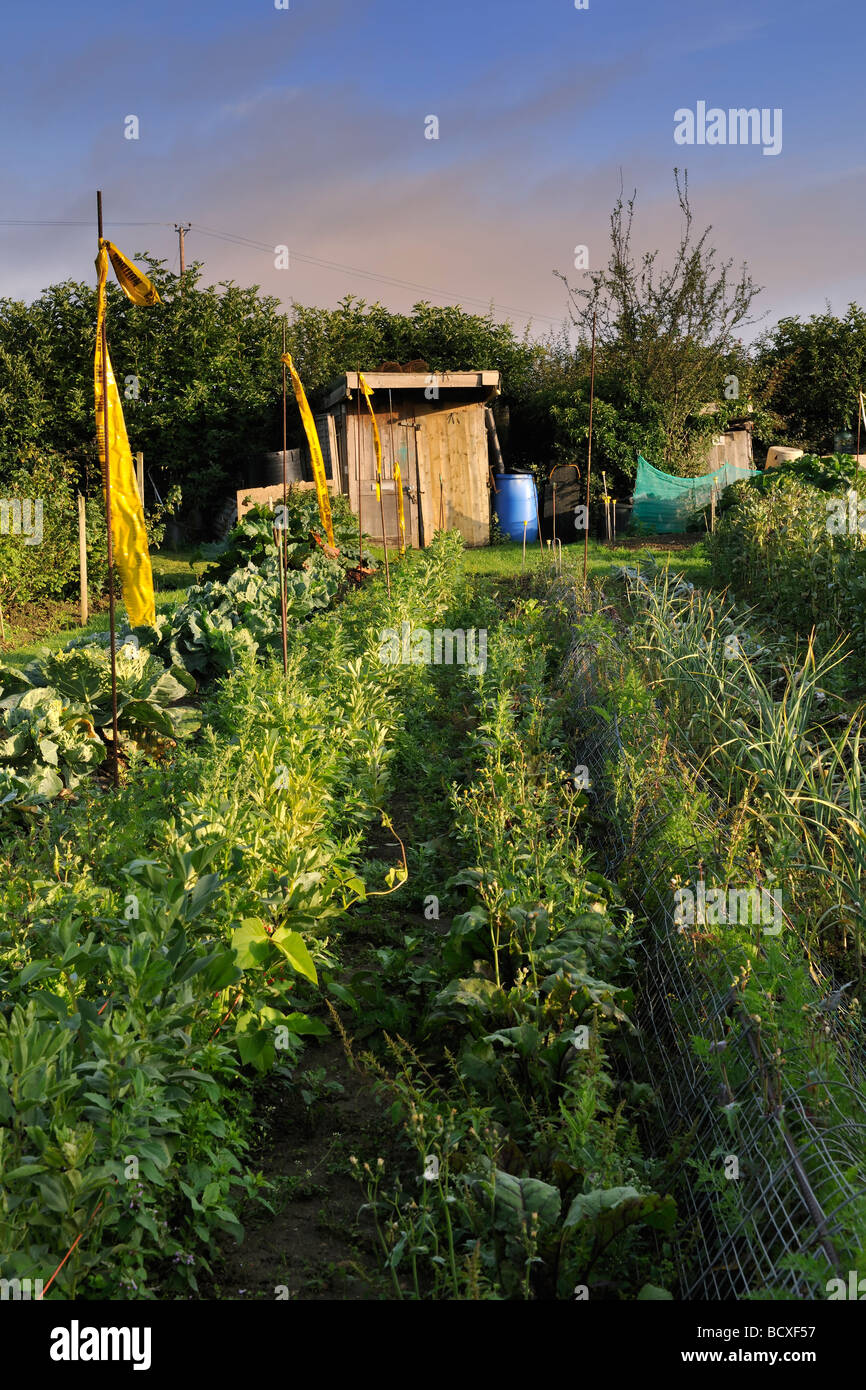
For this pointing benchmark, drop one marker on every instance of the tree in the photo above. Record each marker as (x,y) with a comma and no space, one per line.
(199,374)
(665,337)
(812,372)
(325,343)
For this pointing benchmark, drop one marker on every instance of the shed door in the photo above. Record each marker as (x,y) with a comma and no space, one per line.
(451,448)
(398,438)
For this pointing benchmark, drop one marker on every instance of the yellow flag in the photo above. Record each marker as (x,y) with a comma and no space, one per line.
(398,481)
(401,521)
(315,449)
(127,514)
(376,440)
(135,286)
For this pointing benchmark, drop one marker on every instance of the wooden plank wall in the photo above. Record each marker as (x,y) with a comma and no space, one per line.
(403,447)
(452,445)
(270,496)
(450,440)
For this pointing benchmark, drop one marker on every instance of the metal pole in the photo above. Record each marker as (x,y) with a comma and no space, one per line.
(109,527)
(282,537)
(589,451)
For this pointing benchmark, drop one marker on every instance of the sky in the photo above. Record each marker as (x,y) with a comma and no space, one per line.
(307,127)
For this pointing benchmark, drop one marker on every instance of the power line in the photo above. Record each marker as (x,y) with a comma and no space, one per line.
(236,239)
(52,222)
(239,240)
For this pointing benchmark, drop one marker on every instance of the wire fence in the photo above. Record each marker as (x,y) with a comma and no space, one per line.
(772,1191)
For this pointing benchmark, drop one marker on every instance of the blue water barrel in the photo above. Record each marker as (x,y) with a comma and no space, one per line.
(516,501)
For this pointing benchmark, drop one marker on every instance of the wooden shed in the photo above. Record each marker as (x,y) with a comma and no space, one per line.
(734,446)
(434,425)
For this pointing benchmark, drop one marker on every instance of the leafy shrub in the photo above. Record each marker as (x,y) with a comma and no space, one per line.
(56,708)
(49,570)
(773,548)
(54,711)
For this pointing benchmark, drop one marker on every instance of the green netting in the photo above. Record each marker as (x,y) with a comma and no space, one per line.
(665,503)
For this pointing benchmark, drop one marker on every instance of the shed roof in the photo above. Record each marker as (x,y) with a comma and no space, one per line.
(414,381)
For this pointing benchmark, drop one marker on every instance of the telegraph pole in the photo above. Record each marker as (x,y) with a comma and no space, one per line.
(181,231)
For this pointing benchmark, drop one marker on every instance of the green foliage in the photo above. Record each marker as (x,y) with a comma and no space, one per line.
(176,947)
(49,570)
(811,372)
(776,548)
(57,713)
(667,336)
(527,993)
(730,774)
(207,386)
(328,342)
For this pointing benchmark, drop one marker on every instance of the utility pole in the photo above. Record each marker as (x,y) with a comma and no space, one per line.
(181,230)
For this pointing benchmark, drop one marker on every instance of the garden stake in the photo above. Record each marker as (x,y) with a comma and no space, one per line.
(589,451)
(523,561)
(358,470)
(278,542)
(82,559)
(109,529)
(384,535)
(538,520)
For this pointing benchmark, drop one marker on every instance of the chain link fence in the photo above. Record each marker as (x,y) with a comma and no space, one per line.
(770,1170)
